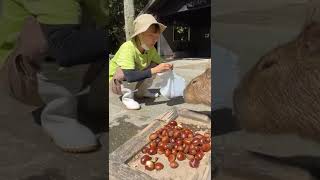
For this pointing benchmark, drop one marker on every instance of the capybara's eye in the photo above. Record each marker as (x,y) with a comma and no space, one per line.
(267,65)
(194,81)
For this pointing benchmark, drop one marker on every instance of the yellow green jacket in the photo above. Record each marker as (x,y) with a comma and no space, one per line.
(14,12)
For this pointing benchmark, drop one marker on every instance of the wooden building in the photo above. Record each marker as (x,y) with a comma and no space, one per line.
(188,32)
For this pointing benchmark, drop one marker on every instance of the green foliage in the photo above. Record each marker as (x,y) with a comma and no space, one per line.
(116,27)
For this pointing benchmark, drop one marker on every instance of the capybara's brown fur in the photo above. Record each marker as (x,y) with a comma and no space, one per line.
(198,91)
(281,93)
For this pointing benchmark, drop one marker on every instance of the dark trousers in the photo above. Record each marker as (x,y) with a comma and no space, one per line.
(71,45)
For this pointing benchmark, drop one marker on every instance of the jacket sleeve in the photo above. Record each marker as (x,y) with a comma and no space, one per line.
(136,75)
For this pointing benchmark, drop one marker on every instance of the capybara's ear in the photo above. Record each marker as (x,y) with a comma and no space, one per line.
(309,39)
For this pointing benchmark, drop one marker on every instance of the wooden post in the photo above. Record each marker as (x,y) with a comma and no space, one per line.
(128,17)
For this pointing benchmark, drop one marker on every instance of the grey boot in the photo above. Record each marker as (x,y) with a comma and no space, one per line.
(59,120)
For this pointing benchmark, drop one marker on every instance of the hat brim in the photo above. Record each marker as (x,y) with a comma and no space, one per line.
(145,28)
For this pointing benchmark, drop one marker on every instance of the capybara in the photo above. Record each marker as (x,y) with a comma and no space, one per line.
(198,91)
(281,93)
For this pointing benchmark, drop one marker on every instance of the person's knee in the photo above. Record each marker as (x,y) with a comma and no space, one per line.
(129,85)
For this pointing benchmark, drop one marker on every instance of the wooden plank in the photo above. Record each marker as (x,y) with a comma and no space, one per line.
(120,171)
(123,154)
(134,145)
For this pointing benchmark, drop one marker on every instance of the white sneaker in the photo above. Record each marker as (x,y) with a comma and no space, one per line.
(148,94)
(130,103)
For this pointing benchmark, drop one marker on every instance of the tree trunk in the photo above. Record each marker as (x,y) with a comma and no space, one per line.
(128,17)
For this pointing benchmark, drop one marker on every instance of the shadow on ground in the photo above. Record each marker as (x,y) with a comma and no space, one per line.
(169,102)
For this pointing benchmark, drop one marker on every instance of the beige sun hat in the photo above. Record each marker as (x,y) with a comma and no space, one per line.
(143,22)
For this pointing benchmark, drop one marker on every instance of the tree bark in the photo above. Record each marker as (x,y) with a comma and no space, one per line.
(128,17)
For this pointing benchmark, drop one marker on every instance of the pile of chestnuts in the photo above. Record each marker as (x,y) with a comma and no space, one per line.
(177,144)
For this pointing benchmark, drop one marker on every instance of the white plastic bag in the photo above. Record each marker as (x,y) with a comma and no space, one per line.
(171,85)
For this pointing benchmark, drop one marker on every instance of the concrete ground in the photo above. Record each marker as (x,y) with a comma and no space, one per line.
(124,124)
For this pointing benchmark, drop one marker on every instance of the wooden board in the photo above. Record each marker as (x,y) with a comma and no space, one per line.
(123,161)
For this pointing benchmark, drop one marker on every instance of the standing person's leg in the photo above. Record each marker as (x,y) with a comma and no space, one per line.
(59,119)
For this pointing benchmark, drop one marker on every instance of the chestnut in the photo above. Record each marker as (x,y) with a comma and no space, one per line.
(192,146)
(202,141)
(190,135)
(158,132)
(187,140)
(174,164)
(196,141)
(176,134)
(164,133)
(144,159)
(152,151)
(181,156)
(153,136)
(149,165)
(167,152)
(206,147)
(174,151)
(170,133)
(186,149)
(165,139)
(208,140)
(168,146)
(176,146)
(173,123)
(179,142)
(188,131)
(207,135)
(183,135)
(145,150)
(172,140)
(160,150)
(197,148)
(184,145)
(153,144)
(171,157)
(157,140)
(194,163)
(192,151)
(161,144)
(199,155)
(197,135)
(190,157)
(158,166)
(180,148)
